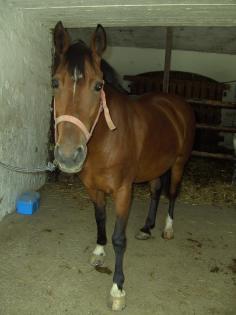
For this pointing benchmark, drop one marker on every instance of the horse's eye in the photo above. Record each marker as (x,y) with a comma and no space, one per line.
(55,83)
(98,86)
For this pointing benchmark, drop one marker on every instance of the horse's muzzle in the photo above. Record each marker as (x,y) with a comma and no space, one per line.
(72,161)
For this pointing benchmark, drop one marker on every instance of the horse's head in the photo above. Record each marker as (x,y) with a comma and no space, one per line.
(78,85)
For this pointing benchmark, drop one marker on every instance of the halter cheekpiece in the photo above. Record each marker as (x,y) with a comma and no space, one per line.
(80,124)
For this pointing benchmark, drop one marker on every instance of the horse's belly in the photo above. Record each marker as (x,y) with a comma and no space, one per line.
(151,169)
(157,156)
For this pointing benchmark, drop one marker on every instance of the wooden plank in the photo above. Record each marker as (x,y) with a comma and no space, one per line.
(172,88)
(189,89)
(221,156)
(203,93)
(196,89)
(84,13)
(166,78)
(181,88)
(206,39)
(216,128)
(212,91)
(219,92)
(183,3)
(213,103)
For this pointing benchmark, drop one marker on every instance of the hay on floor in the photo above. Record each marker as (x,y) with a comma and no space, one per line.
(205,181)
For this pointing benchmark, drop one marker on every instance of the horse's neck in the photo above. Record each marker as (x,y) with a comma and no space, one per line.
(118,104)
(118,107)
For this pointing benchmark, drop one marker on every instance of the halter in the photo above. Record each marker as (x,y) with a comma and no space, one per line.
(80,124)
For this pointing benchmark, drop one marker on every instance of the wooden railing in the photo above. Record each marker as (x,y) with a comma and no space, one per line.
(197,90)
(195,87)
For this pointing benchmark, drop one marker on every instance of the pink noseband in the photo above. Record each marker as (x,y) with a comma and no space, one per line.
(80,124)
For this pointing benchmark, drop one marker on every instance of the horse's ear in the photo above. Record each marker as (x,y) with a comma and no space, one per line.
(99,41)
(61,38)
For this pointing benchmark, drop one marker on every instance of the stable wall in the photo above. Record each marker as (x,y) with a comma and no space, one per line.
(25,97)
(220,67)
(131,60)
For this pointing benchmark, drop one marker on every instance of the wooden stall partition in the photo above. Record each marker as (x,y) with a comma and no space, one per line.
(201,92)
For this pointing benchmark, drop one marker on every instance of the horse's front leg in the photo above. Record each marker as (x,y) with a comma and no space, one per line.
(98,198)
(122,203)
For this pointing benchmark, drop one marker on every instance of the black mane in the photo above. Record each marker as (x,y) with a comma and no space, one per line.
(111,77)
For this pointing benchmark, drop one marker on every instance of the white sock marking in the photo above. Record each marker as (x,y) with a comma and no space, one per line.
(169,223)
(115,292)
(99,250)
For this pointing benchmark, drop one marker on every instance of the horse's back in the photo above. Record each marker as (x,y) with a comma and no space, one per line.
(170,104)
(177,111)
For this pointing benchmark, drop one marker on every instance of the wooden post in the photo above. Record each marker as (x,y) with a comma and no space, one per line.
(166,77)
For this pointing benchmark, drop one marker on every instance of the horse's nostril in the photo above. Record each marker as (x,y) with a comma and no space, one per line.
(72,158)
(79,153)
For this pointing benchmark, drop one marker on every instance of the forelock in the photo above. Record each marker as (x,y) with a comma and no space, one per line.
(75,59)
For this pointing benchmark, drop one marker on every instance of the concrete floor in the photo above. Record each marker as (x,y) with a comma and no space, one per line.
(44,258)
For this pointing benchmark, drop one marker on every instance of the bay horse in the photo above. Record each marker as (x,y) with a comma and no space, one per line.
(113,141)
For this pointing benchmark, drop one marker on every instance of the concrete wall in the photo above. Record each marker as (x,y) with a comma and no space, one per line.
(24,102)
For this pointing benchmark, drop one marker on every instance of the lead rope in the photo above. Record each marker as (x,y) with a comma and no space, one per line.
(40,169)
(50,167)
(106,111)
(103,107)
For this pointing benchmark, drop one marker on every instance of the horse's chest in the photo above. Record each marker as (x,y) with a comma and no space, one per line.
(106,179)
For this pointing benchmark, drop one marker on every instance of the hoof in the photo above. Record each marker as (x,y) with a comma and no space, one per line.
(117,303)
(97,260)
(142,235)
(168,234)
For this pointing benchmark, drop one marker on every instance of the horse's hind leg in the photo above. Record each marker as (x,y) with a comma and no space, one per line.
(176,176)
(145,231)
(98,255)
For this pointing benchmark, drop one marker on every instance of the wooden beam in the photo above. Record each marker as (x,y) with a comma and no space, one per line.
(216,128)
(166,78)
(221,156)
(88,13)
(213,103)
